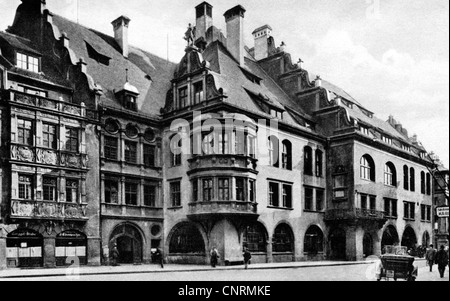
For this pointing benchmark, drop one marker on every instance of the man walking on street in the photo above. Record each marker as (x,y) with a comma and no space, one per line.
(430,256)
(441,260)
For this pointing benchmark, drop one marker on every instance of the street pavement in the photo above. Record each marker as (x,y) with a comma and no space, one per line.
(293,271)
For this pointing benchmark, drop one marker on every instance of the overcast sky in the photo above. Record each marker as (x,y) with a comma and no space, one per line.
(391,55)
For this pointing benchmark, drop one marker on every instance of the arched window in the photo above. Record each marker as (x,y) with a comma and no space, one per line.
(367,168)
(390,174)
(422,182)
(412,179)
(287,155)
(319,163)
(274,151)
(313,240)
(405,177)
(428,184)
(188,240)
(308,153)
(255,238)
(283,239)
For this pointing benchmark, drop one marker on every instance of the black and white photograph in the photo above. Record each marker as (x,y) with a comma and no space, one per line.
(222,147)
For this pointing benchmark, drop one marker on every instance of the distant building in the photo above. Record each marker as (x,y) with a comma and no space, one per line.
(110,144)
(440,198)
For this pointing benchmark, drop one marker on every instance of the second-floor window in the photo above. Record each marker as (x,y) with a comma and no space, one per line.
(240,186)
(25,132)
(25,187)
(150,196)
(368,202)
(274,194)
(130,152)
(72,139)
(149,156)
(112,191)
(308,161)
(27,62)
(49,189)
(208,190)
(49,137)
(111,150)
(319,163)
(409,210)
(175,194)
(131,193)
(390,208)
(71,191)
(287,196)
(224,189)
(425,211)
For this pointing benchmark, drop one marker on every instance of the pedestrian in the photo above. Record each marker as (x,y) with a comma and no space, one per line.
(214,257)
(430,256)
(247,257)
(441,260)
(114,255)
(159,257)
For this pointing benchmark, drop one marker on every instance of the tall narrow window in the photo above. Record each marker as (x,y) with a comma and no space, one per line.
(149,156)
(390,174)
(150,196)
(71,191)
(367,169)
(364,201)
(251,191)
(320,200)
(274,194)
(274,151)
(130,152)
(224,189)
(198,93)
(207,190)
(195,190)
(25,132)
(428,184)
(287,155)
(287,196)
(240,186)
(131,193)
(182,97)
(111,148)
(111,191)
(308,161)
(405,177)
(319,163)
(176,150)
(25,187)
(175,194)
(49,138)
(422,182)
(49,189)
(72,139)
(412,179)
(309,199)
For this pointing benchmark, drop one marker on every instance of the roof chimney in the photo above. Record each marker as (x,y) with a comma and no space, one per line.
(235,32)
(262,35)
(318,81)
(204,19)
(121,33)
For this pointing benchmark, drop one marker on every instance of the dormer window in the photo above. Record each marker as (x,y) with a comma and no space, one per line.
(406,147)
(423,155)
(130,102)
(386,140)
(364,130)
(198,93)
(182,97)
(27,62)
(276,113)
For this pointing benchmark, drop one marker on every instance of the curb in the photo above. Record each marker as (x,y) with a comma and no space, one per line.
(182,270)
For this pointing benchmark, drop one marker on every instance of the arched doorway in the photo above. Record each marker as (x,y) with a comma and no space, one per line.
(313,243)
(283,243)
(186,239)
(389,238)
(71,246)
(129,243)
(24,249)
(338,244)
(367,245)
(409,238)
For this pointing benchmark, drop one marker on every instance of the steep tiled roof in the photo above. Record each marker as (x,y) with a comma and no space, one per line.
(150,74)
(19,43)
(230,76)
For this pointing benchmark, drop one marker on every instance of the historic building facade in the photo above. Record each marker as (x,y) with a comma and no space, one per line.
(233,147)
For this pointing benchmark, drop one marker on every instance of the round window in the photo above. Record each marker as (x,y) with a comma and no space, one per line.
(149,135)
(156,230)
(111,126)
(132,131)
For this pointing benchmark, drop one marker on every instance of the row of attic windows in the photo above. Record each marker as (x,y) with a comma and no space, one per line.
(27,62)
(388,140)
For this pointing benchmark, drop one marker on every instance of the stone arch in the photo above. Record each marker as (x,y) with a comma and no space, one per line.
(389,237)
(255,237)
(314,240)
(130,240)
(186,238)
(368,244)
(409,238)
(283,238)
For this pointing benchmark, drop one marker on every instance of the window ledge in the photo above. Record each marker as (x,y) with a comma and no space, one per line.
(313,211)
(175,208)
(392,217)
(409,219)
(280,208)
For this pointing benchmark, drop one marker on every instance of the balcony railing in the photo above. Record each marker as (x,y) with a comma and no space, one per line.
(39,155)
(51,104)
(353,214)
(223,208)
(208,162)
(48,210)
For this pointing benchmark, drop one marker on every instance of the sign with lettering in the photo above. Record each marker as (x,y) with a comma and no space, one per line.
(442,211)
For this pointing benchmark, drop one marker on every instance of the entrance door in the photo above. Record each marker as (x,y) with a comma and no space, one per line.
(367,245)
(129,244)
(71,247)
(338,245)
(24,249)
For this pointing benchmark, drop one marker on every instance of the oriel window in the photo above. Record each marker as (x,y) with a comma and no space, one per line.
(25,187)
(25,132)
(49,189)
(207,190)
(240,184)
(71,191)
(224,189)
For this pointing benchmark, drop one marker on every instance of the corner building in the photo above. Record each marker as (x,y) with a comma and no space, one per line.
(232,147)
